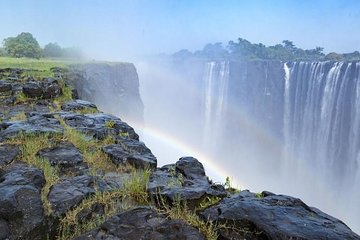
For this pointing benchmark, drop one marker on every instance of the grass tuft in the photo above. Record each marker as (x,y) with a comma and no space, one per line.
(30,144)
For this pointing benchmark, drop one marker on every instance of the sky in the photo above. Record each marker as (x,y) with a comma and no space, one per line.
(121,29)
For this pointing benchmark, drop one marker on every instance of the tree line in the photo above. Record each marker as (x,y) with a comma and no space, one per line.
(25,45)
(242,49)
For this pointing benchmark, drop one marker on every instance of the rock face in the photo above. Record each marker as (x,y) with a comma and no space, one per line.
(185,180)
(271,216)
(114,88)
(143,223)
(21,210)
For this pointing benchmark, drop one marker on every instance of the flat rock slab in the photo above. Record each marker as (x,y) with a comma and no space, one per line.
(97,125)
(131,152)
(185,180)
(8,153)
(143,223)
(66,156)
(21,209)
(36,124)
(69,193)
(78,105)
(274,217)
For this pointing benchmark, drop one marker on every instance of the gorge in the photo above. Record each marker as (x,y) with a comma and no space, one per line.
(70,171)
(288,127)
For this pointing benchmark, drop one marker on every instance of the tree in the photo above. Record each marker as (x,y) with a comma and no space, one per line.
(23,45)
(53,50)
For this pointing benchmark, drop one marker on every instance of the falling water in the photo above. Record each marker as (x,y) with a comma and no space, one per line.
(215,79)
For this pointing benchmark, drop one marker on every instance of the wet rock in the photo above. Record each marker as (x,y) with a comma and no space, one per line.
(5,86)
(50,88)
(112,180)
(8,153)
(274,217)
(131,152)
(78,105)
(185,180)
(4,230)
(97,125)
(143,223)
(36,124)
(33,89)
(66,156)
(46,89)
(69,193)
(21,209)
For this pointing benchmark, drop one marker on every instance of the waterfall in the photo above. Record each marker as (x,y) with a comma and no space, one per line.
(215,80)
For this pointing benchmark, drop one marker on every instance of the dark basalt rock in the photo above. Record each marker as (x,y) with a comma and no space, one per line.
(274,217)
(8,153)
(33,89)
(185,180)
(36,124)
(51,88)
(95,125)
(46,89)
(5,86)
(131,152)
(143,223)
(68,194)
(21,210)
(66,156)
(78,105)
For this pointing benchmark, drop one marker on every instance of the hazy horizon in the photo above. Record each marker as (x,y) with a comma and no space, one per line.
(122,30)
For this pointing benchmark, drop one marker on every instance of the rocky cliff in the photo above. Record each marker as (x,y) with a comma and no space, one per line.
(115,83)
(69,171)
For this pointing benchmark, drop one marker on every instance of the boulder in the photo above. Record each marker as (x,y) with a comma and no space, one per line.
(69,193)
(21,209)
(66,156)
(185,180)
(8,153)
(271,216)
(33,89)
(46,89)
(143,223)
(131,152)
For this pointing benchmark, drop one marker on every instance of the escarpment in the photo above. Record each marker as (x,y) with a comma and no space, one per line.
(69,171)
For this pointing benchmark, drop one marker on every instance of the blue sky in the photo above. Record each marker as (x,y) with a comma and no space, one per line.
(119,29)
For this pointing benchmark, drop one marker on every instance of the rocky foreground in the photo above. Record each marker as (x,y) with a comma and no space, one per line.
(69,171)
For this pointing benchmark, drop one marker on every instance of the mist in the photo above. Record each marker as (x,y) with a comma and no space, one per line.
(185,114)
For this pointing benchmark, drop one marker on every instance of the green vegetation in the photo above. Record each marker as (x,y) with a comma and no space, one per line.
(23,45)
(19,116)
(110,124)
(259,195)
(242,49)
